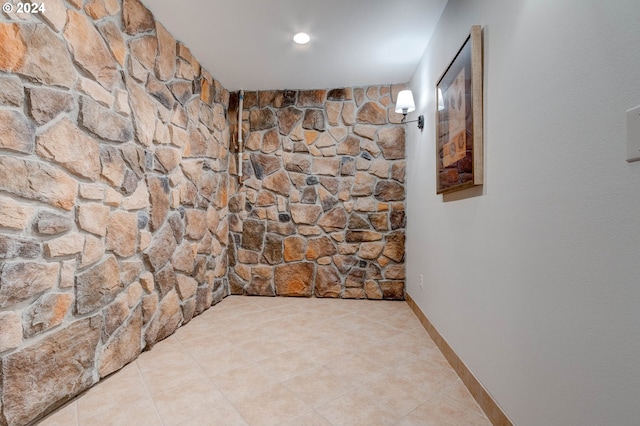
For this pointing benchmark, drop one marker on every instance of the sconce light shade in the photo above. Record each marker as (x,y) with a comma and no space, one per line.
(405,103)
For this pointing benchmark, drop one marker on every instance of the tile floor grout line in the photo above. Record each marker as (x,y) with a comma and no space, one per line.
(146,387)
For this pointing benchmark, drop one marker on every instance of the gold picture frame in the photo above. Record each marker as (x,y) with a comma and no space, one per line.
(459,147)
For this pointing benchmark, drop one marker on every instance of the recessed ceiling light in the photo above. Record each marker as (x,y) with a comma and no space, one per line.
(301,38)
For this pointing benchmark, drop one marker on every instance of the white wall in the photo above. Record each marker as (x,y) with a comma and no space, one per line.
(535,280)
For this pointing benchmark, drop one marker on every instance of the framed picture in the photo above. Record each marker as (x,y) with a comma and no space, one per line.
(459,149)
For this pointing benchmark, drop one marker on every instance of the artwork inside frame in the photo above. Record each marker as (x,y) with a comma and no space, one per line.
(459,150)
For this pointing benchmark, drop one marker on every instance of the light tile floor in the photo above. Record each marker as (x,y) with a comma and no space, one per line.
(285,361)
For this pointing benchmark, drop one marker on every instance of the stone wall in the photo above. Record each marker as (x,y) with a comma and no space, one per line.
(320,208)
(113,196)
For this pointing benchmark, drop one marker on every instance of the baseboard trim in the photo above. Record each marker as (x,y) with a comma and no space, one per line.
(479,393)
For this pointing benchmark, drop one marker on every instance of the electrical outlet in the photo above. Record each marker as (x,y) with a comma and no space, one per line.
(421,277)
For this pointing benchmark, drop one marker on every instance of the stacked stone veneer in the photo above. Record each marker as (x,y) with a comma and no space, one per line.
(113,196)
(321,206)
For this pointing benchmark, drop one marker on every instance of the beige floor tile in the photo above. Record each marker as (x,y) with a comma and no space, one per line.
(274,405)
(357,409)
(243,382)
(142,413)
(290,364)
(285,361)
(443,411)
(179,404)
(312,418)
(64,416)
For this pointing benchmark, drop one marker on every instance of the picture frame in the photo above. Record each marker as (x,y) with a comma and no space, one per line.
(459,118)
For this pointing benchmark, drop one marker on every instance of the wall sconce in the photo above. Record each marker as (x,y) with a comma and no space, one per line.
(405,104)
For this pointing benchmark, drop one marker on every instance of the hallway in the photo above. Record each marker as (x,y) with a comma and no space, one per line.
(285,361)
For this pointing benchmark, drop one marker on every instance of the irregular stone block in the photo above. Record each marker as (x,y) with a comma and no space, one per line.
(388,190)
(89,50)
(167,319)
(66,245)
(13,214)
(11,326)
(391,141)
(253,235)
(97,286)
(314,120)
(305,214)
(372,290)
(37,181)
(16,132)
(260,286)
(21,281)
(11,92)
(328,282)
(278,182)
(262,119)
(272,253)
(144,113)
(49,372)
(394,246)
(320,247)
(196,223)
(12,246)
(159,196)
(392,290)
(166,59)
(29,48)
(186,286)
(115,40)
(49,223)
(311,98)
(68,146)
(47,312)
(333,220)
(124,347)
(264,165)
(287,119)
(161,248)
(362,236)
(104,123)
(372,113)
(184,257)
(136,18)
(46,104)
(294,279)
(122,233)
(93,251)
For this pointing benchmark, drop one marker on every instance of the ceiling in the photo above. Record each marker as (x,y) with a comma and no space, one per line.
(246,44)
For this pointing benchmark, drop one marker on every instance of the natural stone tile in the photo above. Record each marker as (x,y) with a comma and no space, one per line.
(394,246)
(320,247)
(262,119)
(124,347)
(305,214)
(49,372)
(24,280)
(97,286)
(13,214)
(161,248)
(11,92)
(49,223)
(314,120)
(144,113)
(115,40)
(328,282)
(95,91)
(114,169)
(372,113)
(47,312)
(391,141)
(67,145)
(159,198)
(392,290)
(389,190)
(167,319)
(294,279)
(273,251)
(136,18)
(46,104)
(27,50)
(278,182)
(17,133)
(11,326)
(66,245)
(311,98)
(121,234)
(89,50)
(93,251)
(104,123)
(14,246)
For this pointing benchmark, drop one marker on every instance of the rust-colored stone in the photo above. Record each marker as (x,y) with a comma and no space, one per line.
(294,279)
